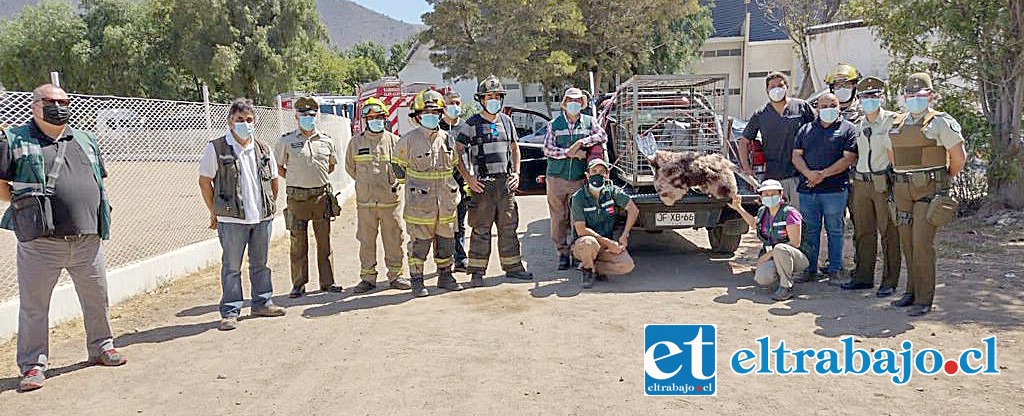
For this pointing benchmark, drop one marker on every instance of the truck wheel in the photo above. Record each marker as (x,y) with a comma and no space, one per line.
(723,242)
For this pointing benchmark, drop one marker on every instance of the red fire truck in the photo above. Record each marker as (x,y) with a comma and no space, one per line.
(397,96)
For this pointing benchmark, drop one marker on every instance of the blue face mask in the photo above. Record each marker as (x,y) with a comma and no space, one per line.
(493,106)
(829,115)
(307,123)
(870,105)
(430,121)
(453,111)
(917,104)
(573,108)
(771,201)
(376,125)
(244,130)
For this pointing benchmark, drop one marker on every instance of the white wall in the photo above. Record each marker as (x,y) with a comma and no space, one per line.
(766,56)
(856,46)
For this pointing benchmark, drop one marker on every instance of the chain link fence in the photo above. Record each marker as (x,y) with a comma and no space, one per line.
(151,149)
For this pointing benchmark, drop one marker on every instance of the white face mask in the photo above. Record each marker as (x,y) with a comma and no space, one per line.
(844,94)
(777,94)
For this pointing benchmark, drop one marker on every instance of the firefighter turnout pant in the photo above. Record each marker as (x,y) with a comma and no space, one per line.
(496,205)
(385,220)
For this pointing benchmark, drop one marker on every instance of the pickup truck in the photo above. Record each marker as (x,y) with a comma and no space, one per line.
(683,113)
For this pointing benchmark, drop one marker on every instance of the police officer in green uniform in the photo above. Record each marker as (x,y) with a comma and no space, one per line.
(869,191)
(492,173)
(927,151)
(306,157)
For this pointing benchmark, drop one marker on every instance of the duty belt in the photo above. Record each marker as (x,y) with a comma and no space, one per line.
(936,175)
(858,176)
(306,193)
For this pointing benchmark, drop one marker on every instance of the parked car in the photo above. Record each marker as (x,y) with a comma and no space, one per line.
(532,126)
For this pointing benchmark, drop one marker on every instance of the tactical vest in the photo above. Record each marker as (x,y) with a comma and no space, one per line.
(227,189)
(568,168)
(777,233)
(912,150)
(30,171)
(489,153)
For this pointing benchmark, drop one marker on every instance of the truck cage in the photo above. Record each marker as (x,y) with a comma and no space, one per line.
(682,112)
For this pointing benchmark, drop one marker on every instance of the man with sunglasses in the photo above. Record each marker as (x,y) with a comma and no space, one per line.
(491,170)
(238,179)
(50,170)
(869,191)
(305,158)
(927,152)
(368,161)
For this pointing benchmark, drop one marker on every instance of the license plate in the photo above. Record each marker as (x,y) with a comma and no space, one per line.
(671,219)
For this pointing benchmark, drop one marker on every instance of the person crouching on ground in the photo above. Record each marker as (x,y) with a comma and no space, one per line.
(778,226)
(593,210)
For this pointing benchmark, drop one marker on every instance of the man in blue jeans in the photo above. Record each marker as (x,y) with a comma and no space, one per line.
(823,153)
(238,178)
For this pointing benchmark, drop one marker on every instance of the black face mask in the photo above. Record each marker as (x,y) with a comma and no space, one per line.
(596,181)
(57,115)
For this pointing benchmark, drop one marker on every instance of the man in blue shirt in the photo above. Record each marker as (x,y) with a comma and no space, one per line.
(823,153)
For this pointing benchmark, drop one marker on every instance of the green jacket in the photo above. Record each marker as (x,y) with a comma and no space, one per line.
(30,171)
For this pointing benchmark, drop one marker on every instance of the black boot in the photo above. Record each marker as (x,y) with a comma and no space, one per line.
(906,300)
(446,281)
(477,280)
(418,289)
(587,279)
(564,262)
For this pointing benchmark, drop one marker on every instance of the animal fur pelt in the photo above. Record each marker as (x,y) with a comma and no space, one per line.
(675,173)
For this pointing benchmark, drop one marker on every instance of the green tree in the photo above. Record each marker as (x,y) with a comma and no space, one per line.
(242,48)
(40,39)
(980,42)
(370,50)
(398,56)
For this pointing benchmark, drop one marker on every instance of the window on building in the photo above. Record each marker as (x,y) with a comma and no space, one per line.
(734,91)
(511,86)
(723,52)
(763,74)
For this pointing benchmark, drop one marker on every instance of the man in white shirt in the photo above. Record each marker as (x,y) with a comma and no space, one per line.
(238,179)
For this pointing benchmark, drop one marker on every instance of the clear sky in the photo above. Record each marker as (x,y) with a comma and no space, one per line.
(405,10)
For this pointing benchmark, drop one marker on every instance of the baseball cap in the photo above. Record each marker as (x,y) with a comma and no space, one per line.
(597,162)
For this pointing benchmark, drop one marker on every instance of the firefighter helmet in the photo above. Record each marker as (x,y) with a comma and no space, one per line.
(842,72)
(427,100)
(373,106)
(491,84)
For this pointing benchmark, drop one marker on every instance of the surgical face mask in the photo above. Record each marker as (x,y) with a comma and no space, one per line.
(596,182)
(243,129)
(453,111)
(430,121)
(573,108)
(307,123)
(870,105)
(844,94)
(771,201)
(917,104)
(375,125)
(777,94)
(57,115)
(829,115)
(493,106)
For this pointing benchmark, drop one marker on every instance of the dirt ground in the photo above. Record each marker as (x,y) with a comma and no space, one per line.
(539,348)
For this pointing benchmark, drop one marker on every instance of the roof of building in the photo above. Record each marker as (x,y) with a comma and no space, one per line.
(728,17)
